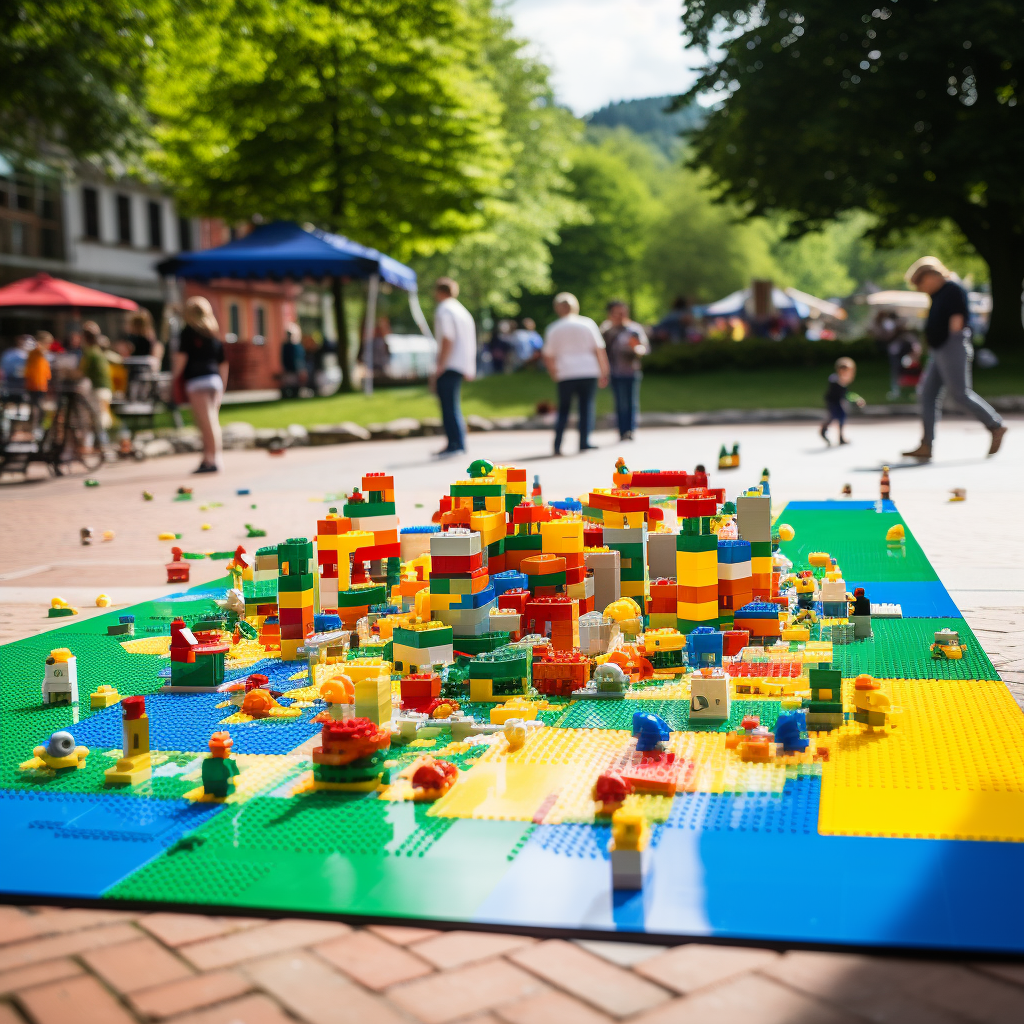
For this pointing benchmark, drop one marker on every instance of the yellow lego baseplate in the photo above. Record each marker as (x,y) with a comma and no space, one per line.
(952,767)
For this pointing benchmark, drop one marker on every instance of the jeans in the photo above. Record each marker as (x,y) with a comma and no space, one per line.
(836,412)
(627,402)
(585,391)
(949,369)
(449,387)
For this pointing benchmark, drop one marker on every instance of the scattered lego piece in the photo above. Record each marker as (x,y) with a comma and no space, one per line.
(629,849)
(59,755)
(147,496)
(85,535)
(60,677)
(90,482)
(433,779)
(103,601)
(958,494)
(219,769)
(895,534)
(254,531)
(135,764)
(59,608)
(104,696)
(786,532)
(108,536)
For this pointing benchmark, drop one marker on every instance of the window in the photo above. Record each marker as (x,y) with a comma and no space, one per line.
(234,322)
(156,226)
(19,238)
(184,234)
(49,244)
(91,212)
(259,335)
(124,220)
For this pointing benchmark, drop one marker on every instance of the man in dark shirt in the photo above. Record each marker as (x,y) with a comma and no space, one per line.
(950,355)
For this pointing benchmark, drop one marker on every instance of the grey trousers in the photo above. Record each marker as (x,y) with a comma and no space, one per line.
(949,370)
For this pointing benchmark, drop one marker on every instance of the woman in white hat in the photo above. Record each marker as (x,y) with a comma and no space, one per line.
(202,369)
(950,354)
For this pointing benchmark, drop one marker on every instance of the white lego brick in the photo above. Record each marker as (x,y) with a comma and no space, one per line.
(734,570)
(624,535)
(709,697)
(630,868)
(455,542)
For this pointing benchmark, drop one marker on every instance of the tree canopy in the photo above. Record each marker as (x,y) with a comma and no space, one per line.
(74,72)
(362,116)
(908,111)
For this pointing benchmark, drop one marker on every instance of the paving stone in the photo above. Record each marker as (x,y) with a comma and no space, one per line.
(551,1008)
(82,1000)
(1013,973)
(8,1015)
(371,961)
(747,999)
(258,1009)
(625,954)
(464,991)
(192,993)
(454,949)
(179,929)
(311,990)
(53,946)
(132,966)
(968,993)
(16,925)
(70,919)
(694,966)
(275,937)
(603,985)
(402,936)
(38,974)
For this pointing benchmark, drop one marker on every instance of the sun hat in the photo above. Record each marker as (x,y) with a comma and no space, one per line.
(926,263)
(199,315)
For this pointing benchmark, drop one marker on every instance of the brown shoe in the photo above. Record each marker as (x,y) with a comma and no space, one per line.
(922,451)
(997,440)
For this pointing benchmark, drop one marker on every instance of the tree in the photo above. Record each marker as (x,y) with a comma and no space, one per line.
(908,111)
(511,252)
(73,72)
(362,116)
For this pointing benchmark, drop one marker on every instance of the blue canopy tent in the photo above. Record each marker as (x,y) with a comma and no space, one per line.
(285,250)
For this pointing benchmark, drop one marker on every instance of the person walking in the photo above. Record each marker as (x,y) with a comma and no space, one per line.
(95,368)
(626,343)
(950,355)
(201,367)
(455,331)
(575,357)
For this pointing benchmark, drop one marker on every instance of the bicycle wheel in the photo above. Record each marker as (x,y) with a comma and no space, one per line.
(81,437)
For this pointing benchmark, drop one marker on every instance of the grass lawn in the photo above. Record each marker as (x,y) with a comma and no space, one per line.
(519,393)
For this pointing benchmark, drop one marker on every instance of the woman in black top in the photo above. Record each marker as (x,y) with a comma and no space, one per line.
(143,337)
(202,370)
(950,355)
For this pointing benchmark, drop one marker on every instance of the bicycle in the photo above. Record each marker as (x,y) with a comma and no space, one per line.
(70,439)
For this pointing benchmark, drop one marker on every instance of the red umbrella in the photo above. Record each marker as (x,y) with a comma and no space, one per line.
(43,290)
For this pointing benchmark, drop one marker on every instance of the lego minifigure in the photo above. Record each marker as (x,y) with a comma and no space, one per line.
(60,677)
(219,769)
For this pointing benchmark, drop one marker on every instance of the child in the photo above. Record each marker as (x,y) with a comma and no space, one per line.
(95,368)
(838,391)
(37,375)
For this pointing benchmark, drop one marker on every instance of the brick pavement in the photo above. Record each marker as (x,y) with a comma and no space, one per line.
(106,967)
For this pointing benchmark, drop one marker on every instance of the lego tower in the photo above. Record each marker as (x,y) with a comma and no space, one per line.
(754,521)
(696,561)
(295,586)
(461,594)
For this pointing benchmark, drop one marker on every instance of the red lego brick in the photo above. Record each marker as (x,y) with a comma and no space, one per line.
(734,640)
(593,536)
(514,600)
(447,564)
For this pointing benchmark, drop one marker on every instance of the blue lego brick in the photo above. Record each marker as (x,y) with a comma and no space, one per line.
(758,610)
(732,551)
(568,505)
(509,580)
(432,528)
(476,600)
(79,844)
(839,505)
(919,599)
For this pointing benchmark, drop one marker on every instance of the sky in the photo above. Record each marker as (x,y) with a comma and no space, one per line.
(606,50)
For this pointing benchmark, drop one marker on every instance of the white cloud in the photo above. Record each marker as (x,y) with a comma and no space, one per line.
(606,50)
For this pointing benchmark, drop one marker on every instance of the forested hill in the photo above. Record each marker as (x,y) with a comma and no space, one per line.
(648,118)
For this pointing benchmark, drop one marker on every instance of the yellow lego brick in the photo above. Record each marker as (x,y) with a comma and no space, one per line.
(494,503)
(563,536)
(761,564)
(930,776)
(633,588)
(290,650)
(622,520)
(659,620)
(700,612)
(367,668)
(664,639)
(692,560)
(295,599)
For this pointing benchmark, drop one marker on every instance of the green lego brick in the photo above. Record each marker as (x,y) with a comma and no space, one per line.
(694,542)
(511,501)
(506,662)
(693,526)
(760,548)
(422,638)
(440,585)
(295,584)
(551,579)
(374,593)
(476,490)
(474,645)
(825,678)
(259,591)
(365,509)
(825,707)
(589,512)
(689,625)
(497,547)
(524,542)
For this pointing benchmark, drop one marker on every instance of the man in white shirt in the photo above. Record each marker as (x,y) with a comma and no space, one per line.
(574,353)
(455,331)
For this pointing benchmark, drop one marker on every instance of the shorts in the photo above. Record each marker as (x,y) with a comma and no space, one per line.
(207,382)
(836,411)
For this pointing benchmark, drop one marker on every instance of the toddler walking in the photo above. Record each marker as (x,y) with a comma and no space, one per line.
(837,395)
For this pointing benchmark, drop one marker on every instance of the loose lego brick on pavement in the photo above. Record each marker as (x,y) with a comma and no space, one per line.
(603,985)
(372,961)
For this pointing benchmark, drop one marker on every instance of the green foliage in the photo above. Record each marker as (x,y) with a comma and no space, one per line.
(910,113)
(363,116)
(756,353)
(73,71)
(510,251)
